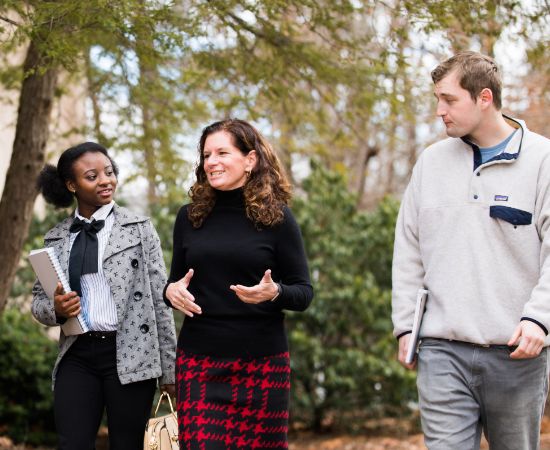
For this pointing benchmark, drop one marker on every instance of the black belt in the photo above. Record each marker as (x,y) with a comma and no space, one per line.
(100,334)
(473,344)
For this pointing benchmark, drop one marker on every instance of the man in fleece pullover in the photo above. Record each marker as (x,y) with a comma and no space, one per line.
(473,230)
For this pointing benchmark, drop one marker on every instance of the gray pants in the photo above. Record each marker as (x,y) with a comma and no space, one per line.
(464,388)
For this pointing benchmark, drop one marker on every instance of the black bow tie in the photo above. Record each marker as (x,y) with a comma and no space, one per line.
(84,252)
(89,227)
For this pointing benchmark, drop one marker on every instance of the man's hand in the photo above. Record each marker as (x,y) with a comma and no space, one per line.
(181,298)
(66,305)
(265,290)
(530,338)
(403,346)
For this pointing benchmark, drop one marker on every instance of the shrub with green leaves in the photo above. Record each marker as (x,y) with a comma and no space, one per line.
(343,352)
(26,399)
(22,285)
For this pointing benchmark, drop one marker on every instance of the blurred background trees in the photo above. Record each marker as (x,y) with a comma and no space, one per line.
(340,87)
(343,366)
(26,402)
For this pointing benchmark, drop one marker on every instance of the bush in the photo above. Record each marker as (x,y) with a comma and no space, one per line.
(24,279)
(26,398)
(343,352)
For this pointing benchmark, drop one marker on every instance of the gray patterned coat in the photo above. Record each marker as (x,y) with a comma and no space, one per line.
(134,268)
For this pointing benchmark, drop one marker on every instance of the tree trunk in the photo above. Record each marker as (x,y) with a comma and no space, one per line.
(93,94)
(148,76)
(412,144)
(148,147)
(388,186)
(29,147)
(281,122)
(369,152)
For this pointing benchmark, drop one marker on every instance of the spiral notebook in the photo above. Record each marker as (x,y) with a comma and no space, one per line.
(48,270)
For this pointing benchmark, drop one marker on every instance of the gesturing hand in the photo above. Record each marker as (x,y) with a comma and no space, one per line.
(181,298)
(66,305)
(265,290)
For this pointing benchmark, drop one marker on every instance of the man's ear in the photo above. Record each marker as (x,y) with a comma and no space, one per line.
(485,98)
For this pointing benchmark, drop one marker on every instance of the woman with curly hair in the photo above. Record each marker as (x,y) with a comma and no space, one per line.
(238,262)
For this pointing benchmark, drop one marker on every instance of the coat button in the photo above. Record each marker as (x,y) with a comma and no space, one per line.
(137,296)
(144,328)
(135,263)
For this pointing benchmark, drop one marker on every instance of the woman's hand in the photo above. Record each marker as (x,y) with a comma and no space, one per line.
(181,298)
(170,388)
(66,305)
(265,290)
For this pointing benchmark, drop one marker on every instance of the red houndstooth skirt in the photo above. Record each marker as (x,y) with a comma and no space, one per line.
(232,403)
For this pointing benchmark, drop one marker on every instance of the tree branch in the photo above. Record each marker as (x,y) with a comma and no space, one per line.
(274,38)
(10,21)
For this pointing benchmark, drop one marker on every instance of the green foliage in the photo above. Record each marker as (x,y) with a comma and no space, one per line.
(26,399)
(328,78)
(343,352)
(62,30)
(163,218)
(24,278)
(376,230)
(438,14)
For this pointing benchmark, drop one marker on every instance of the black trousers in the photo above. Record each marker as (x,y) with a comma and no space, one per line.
(86,384)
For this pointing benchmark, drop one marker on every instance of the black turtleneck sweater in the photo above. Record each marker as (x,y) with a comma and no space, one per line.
(228,249)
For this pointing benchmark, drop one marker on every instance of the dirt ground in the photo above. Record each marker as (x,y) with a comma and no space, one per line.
(334,443)
(306,441)
(376,443)
(414,442)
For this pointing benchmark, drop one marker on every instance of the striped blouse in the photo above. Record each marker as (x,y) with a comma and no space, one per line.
(97,303)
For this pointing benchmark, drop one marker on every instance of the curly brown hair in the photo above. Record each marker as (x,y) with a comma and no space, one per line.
(266,190)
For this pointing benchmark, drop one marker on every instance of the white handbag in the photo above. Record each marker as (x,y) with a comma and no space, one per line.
(161,433)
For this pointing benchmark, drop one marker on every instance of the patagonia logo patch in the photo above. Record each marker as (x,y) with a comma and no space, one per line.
(501,198)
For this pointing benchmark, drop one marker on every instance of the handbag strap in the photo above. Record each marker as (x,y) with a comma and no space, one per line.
(162,396)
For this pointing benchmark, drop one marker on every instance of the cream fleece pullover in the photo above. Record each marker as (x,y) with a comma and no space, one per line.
(476,236)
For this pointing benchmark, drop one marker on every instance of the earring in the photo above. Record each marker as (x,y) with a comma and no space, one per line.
(247,173)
